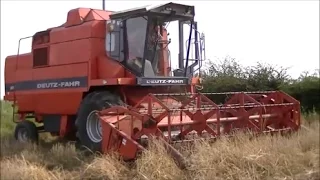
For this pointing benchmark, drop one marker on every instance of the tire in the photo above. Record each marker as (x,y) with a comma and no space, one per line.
(94,101)
(26,131)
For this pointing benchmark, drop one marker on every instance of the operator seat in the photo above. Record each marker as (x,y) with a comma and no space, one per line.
(148,69)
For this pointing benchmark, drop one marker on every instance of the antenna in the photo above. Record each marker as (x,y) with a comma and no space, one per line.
(104,4)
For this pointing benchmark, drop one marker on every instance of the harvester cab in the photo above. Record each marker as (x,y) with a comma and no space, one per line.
(141,43)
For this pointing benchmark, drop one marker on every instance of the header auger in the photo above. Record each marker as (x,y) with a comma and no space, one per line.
(105,80)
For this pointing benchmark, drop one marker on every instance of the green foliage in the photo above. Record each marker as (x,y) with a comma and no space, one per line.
(306,89)
(230,76)
(6,114)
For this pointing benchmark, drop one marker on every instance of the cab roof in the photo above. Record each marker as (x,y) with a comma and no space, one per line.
(174,10)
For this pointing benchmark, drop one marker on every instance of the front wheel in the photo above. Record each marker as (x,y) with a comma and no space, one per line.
(89,130)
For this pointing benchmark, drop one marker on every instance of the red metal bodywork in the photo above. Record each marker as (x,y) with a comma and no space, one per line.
(75,49)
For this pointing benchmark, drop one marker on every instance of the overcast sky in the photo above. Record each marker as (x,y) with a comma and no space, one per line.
(284,33)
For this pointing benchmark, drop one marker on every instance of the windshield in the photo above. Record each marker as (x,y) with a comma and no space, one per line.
(153,46)
(136,34)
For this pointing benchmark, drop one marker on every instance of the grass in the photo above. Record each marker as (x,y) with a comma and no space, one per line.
(266,157)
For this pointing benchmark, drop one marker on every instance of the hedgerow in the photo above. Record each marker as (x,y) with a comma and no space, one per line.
(229,75)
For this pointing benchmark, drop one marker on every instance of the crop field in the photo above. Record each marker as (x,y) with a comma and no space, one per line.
(265,157)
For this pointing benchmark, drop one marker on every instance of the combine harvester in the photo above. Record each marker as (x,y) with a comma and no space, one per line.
(104,79)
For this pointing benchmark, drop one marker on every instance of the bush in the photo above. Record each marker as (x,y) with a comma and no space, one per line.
(230,76)
(306,90)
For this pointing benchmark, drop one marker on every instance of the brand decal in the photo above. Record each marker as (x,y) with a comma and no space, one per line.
(63,84)
(165,81)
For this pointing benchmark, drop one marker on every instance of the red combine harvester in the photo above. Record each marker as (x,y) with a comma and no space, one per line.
(104,79)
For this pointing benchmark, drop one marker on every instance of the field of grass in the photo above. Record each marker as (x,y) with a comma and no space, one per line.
(265,157)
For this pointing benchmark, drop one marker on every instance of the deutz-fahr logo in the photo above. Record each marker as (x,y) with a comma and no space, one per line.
(63,84)
(165,81)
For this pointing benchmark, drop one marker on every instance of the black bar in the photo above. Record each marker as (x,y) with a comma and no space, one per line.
(63,83)
(181,48)
(188,51)
(146,45)
(196,45)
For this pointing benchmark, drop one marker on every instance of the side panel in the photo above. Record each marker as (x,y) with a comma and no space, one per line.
(18,69)
(24,73)
(70,52)
(9,77)
(59,89)
(57,86)
(51,90)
